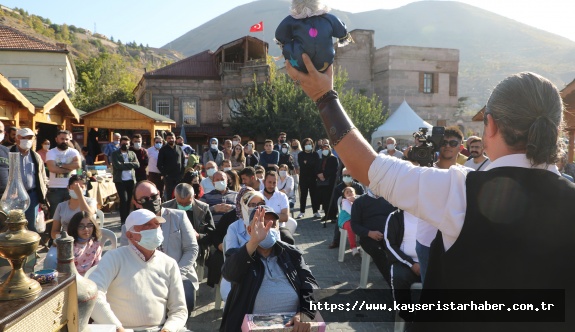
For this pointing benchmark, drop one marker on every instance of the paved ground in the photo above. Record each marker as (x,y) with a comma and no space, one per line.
(313,239)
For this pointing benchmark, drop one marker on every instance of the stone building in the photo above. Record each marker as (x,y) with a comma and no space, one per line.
(200,91)
(423,76)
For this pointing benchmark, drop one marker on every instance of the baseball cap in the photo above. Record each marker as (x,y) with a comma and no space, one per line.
(267,209)
(25,132)
(140,217)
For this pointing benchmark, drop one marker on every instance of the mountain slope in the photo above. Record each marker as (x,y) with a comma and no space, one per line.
(491,46)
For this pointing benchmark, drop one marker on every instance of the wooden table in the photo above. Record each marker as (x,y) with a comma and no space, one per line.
(102,190)
(54,309)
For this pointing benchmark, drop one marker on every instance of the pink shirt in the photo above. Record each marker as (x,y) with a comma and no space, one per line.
(86,255)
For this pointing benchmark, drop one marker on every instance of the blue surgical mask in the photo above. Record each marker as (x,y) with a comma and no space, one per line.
(158,145)
(211,172)
(151,238)
(347,179)
(184,208)
(271,238)
(308,147)
(325,152)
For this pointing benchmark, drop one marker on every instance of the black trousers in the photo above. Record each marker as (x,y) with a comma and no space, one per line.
(402,277)
(324,197)
(170,183)
(307,185)
(156,178)
(125,190)
(376,249)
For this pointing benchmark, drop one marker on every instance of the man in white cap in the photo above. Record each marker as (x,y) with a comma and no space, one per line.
(139,287)
(32,173)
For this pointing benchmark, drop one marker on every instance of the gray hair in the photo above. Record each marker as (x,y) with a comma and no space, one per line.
(184,190)
(528,110)
(391,139)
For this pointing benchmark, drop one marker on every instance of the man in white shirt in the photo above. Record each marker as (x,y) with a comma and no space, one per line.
(390,150)
(154,174)
(140,287)
(279,202)
(493,217)
(62,162)
(478,159)
(208,182)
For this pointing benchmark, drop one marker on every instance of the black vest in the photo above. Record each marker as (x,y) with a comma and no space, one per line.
(519,233)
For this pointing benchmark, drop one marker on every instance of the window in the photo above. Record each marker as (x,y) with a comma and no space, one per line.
(453,85)
(162,106)
(20,82)
(428,82)
(190,111)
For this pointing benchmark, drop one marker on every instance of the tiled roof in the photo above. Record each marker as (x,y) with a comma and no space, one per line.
(147,112)
(199,66)
(39,98)
(12,39)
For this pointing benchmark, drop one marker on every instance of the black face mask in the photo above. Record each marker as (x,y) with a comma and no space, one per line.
(269,192)
(294,147)
(63,146)
(181,144)
(153,206)
(282,141)
(196,188)
(124,147)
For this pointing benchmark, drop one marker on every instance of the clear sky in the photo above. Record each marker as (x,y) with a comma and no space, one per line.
(156,22)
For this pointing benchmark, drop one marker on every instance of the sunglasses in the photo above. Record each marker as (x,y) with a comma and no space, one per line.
(82,227)
(146,199)
(453,143)
(253,205)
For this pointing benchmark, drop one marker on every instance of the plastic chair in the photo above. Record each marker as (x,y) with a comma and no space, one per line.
(218,299)
(100,216)
(108,235)
(365,260)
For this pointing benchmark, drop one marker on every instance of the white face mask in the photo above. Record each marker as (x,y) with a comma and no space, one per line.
(25,144)
(220,185)
(211,172)
(325,152)
(308,147)
(46,146)
(214,146)
(227,169)
(73,193)
(347,179)
(283,174)
(137,146)
(391,146)
(234,143)
(284,150)
(250,146)
(1,137)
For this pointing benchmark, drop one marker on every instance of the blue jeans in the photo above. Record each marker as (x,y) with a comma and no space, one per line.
(423,256)
(32,211)
(189,292)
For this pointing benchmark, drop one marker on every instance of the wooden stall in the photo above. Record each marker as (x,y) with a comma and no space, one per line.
(51,107)
(13,104)
(568,95)
(126,116)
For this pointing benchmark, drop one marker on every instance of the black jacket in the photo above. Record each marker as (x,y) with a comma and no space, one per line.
(307,163)
(171,161)
(285,158)
(330,169)
(369,214)
(246,274)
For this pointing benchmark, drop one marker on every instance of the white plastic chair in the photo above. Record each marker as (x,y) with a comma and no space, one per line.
(108,235)
(100,216)
(365,260)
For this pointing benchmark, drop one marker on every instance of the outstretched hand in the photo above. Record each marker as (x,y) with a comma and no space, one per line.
(314,84)
(260,229)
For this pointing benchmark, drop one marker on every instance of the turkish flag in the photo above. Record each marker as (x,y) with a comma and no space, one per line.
(257,27)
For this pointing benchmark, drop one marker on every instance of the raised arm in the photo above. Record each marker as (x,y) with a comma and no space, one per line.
(347,140)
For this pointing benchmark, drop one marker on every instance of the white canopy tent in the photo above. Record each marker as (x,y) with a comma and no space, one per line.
(401,125)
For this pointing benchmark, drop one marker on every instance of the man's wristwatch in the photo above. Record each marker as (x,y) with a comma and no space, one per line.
(59,164)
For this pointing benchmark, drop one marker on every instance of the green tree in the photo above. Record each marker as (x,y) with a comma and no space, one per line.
(103,80)
(280,105)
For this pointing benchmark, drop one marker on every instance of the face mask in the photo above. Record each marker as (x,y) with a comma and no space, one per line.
(271,238)
(63,146)
(196,188)
(25,144)
(1,137)
(391,146)
(284,150)
(282,141)
(234,143)
(117,142)
(124,147)
(347,179)
(220,185)
(227,169)
(294,147)
(184,208)
(46,146)
(250,146)
(308,147)
(181,144)
(211,172)
(246,213)
(283,174)
(137,146)
(325,152)
(214,146)
(153,206)
(72,194)
(151,238)
(158,145)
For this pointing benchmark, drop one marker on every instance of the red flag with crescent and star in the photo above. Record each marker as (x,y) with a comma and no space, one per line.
(257,27)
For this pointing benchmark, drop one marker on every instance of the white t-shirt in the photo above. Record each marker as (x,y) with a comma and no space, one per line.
(65,157)
(126,175)
(471,164)
(277,202)
(153,160)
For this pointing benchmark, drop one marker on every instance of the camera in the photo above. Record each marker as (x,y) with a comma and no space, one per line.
(424,151)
